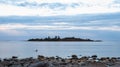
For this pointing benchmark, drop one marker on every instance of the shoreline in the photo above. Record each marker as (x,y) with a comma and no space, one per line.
(58,38)
(72,61)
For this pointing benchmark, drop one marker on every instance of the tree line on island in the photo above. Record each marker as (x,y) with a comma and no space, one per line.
(57,38)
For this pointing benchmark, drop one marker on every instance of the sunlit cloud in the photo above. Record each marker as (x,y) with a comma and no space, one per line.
(56,7)
(61,23)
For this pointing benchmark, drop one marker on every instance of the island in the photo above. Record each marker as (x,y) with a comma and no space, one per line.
(57,38)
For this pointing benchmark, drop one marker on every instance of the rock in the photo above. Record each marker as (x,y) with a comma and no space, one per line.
(40,64)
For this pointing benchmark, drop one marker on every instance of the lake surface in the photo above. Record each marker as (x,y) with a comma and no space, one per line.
(24,49)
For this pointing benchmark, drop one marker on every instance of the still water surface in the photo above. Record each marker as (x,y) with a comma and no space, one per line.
(24,49)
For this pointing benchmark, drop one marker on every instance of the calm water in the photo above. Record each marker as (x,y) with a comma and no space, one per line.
(24,49)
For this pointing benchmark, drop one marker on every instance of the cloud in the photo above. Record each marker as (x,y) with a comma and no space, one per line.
(12,32)
(61,23)
(10,29)
(5,27)
(7,10)
(12,26)
(106,20)
(56,7)
(41,30)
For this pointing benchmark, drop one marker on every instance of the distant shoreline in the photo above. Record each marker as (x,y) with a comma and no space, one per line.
(66,39)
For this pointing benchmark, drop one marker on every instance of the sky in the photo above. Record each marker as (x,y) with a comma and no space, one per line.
(94,19)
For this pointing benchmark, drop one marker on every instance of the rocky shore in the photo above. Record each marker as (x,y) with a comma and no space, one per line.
(72,61)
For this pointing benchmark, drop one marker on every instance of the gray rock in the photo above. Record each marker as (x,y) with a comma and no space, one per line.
(40,64)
